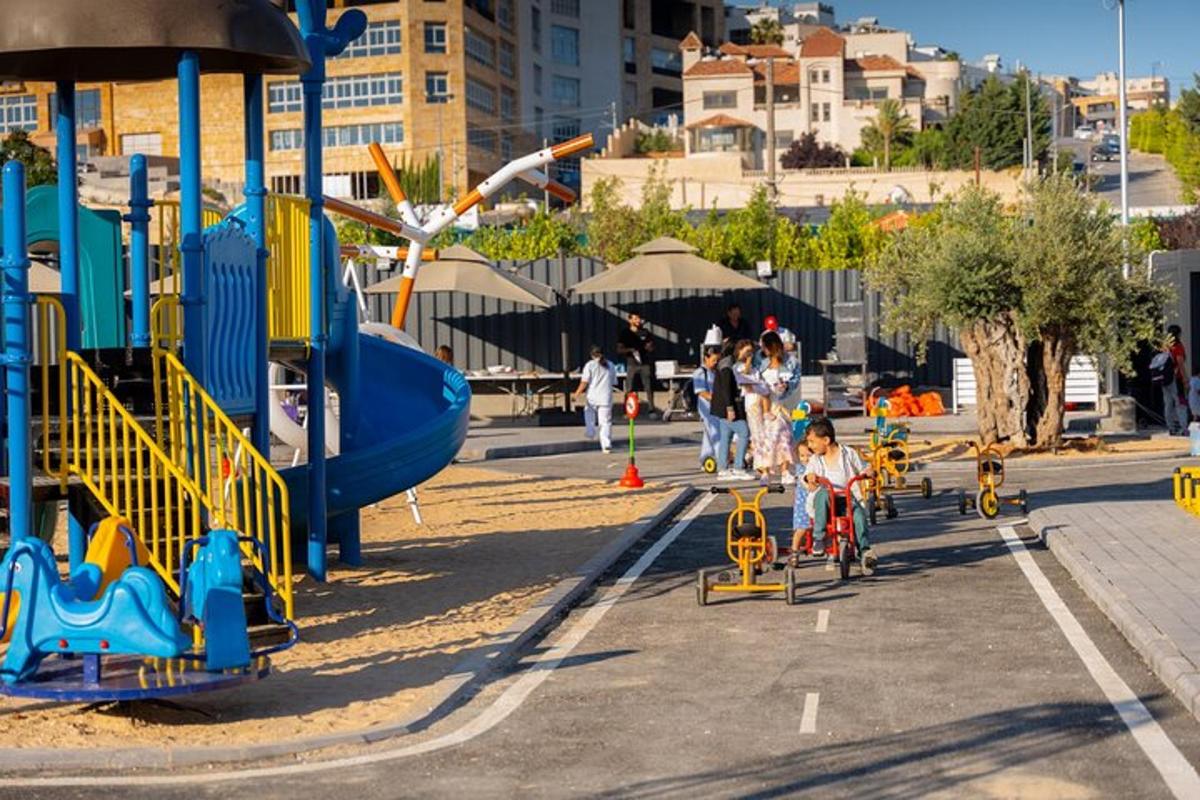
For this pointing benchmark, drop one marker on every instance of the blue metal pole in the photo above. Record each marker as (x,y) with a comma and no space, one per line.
(139,248)
(256,208)
(16,353)
(313,82)
(191,244)
(68,210)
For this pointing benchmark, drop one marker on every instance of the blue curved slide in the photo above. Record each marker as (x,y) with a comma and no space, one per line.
(404,416)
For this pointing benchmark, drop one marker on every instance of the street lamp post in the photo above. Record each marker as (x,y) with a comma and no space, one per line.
(1121,120)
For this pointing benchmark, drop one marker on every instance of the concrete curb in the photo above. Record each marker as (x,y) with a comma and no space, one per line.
(1172,667)
(449,692)
(498,452)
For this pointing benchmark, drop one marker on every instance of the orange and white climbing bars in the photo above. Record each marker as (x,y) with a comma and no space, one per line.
(530,168)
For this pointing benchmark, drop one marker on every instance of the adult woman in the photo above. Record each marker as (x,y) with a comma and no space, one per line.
(772,446)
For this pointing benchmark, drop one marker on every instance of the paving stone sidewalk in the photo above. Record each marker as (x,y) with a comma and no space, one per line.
(1139,561)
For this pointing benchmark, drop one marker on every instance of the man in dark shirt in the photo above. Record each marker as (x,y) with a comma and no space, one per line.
(733,326)
(635,344)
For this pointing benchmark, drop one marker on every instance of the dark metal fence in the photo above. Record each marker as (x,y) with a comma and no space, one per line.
(484,331)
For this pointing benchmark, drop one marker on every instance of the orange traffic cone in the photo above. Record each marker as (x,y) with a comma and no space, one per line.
(631,479)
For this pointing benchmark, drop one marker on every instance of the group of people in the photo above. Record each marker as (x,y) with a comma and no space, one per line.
(1181,394)
(741,389)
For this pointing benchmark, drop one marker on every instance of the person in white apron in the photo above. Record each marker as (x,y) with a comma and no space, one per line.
(702,384)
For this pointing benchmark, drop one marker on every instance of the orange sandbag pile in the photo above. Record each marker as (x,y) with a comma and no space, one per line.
(903,403)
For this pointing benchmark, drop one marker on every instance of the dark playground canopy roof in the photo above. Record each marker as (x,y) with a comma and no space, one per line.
(130,40)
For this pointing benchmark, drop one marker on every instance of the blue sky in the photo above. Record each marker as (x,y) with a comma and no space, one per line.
(1075,37)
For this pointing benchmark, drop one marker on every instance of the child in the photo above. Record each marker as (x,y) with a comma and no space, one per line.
(702,384)
(801,520)
(599,377)
(837,464)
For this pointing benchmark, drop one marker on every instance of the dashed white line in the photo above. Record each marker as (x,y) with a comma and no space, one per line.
(808,717)
(823,620)
(508,702)
(1180,776)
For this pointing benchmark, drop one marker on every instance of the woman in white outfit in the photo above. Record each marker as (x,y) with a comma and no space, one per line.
(599,377)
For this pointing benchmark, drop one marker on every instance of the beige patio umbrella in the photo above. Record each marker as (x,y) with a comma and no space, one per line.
(666,263)
(461,269)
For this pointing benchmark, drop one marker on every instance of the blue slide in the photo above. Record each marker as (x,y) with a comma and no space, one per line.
(404,416)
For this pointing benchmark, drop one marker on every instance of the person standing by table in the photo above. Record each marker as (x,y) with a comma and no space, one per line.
(635,344)
(597,382)
(703,380)
(733,326)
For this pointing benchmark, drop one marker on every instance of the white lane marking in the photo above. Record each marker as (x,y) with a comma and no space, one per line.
(823,620)
(808,717)
(1179,775)
(504,705)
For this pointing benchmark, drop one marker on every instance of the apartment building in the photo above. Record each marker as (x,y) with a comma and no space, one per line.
(830,86)
(590,64)
(428,80)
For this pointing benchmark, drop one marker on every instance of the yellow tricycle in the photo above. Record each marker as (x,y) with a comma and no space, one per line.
(752,551)
(989,477)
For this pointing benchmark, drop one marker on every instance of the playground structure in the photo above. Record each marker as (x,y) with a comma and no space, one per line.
(751,549)
(989,477)
(181,533)
(889,458)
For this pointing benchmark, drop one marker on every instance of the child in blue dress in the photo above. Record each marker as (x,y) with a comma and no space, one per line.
(801,519)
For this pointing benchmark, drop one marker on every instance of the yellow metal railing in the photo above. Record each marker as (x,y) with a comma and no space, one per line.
(165,222)
(127,472)
(241,490)
(166,323)
(51,357)
(287,268)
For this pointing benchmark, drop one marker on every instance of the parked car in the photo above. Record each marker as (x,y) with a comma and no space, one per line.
(1085,132)
(1106,151)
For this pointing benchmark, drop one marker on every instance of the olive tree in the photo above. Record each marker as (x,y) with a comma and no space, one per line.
(1025,290)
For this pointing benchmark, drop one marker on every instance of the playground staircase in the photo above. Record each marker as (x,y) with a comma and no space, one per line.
(130,433)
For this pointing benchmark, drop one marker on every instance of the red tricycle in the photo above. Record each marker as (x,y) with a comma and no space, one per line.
(842,538)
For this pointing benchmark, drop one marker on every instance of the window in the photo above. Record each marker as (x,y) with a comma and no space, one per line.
(508,102)
(504,14)
(629,96)
(480,48)
(435,37)
(565,91)
(148,144)
(291,139)
(564,45)
(825,112)
(824,76)
(629,49)
(437,87)
(345,91)
(535,25)
(480,96)
(506,146)
(285,184)
(568,168)
(783,139)
(564,129)
(629,14)
(508,59)
(815,115)
(665,62)
(720,100)
(284,96)
(567,8)
(20,113)
(87,109)
(483,139)
(358,135)
(379,39)
(537,79)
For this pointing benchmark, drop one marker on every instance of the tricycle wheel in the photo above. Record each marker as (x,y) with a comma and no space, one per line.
(701,588)
(789,586)
(892,513)
(771,558)
(709,465)
(872,507)
(926,488)
(1023,498)
(987,503)
(844,557)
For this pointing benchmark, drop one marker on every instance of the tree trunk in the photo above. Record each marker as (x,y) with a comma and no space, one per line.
(1057,349)
(997,351)
(887,154)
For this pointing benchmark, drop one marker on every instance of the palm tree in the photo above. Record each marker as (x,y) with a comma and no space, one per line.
(891,122)
(766,31)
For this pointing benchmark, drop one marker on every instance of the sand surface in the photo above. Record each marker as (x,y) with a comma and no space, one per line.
(376,638)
